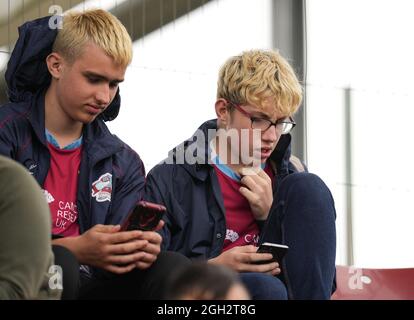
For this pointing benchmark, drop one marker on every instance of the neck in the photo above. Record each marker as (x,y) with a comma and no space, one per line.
(58,122)
(224,152)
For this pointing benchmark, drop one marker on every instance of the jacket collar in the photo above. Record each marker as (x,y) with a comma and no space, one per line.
(96,135)
(36,116)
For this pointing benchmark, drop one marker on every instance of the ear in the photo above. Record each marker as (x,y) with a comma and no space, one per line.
(222,112)
(55,63)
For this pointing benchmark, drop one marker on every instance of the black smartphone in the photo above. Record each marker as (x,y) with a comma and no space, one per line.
(145,216)
(277,250)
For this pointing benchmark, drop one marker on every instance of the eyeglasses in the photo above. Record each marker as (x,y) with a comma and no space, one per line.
(284,126)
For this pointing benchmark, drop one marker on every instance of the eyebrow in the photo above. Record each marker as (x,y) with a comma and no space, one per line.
(259,114)
(101,77)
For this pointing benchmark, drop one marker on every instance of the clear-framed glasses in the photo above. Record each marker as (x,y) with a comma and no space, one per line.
(284,126)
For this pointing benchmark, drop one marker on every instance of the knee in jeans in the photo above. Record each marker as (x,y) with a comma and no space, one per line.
(264,287)
(307,189)
(301,182)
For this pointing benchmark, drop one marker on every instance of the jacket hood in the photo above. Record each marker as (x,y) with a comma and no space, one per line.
(27,71)
(198,145)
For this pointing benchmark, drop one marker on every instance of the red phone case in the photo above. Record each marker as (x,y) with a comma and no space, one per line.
(145,216)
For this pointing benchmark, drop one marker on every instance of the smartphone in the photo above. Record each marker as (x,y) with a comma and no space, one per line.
(145,216)
(277,250)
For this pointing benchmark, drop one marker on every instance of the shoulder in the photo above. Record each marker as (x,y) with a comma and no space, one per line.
(127,159)
(101,143)
(14,113)
(177,178)
(125,151)
(164,171)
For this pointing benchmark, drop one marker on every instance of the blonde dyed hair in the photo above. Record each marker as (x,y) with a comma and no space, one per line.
(260,77)
(94,26)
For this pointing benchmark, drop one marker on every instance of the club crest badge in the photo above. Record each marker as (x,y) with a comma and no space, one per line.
(102,188)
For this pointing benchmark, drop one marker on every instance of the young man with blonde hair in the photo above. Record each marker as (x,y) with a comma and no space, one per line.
(230,191)
(63,84)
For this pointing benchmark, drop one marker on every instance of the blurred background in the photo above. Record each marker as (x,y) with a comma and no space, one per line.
(353,57)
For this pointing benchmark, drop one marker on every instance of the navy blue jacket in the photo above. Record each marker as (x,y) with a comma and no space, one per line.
(22,136)
(195,219)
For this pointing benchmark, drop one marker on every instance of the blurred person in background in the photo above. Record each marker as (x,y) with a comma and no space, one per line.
(203,281)
(25,245)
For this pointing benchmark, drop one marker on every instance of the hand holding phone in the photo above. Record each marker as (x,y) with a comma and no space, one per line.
(278,251)
(145,216)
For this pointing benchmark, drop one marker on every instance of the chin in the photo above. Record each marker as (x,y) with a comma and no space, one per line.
(87,119)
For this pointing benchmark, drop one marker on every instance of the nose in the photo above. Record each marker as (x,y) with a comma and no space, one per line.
(271,134)
(103,95)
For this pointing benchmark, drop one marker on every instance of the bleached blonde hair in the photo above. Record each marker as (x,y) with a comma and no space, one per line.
(256,77)
(97,26)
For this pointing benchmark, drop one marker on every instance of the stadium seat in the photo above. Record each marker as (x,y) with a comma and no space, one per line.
(374,284)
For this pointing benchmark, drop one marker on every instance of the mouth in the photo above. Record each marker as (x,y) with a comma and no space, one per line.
(93,109)
(265,153)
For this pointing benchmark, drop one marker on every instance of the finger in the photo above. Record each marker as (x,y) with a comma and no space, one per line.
(249,182)
(259,257)
(246,249)
(257,174)
(250,171)
(148,258)
(124,236)
(120,269)
(249,195)
(275,272)
(262,268)
(262,174)
(258,182)
(106,228)
(127,248)
(151,237)
(153,249)
(126,259)
(254,257)
(159,225)
(143,265)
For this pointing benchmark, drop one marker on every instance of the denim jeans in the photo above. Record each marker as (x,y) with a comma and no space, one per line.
(262,286)
(303,218)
